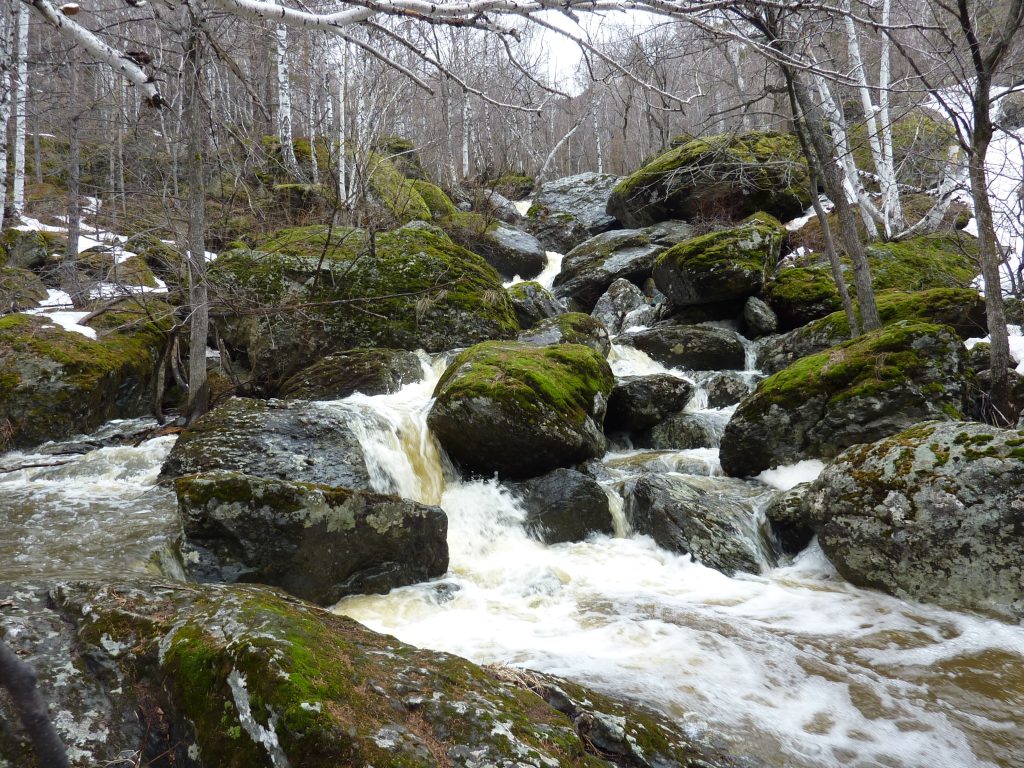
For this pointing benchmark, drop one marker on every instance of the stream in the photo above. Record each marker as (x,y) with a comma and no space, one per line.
(793,665)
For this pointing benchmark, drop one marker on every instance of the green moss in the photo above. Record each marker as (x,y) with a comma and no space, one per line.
(397,193)
(944,260)
(20,288)
(920,145)
(437,201)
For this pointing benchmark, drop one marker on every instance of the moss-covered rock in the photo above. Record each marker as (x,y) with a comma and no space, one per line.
(570,328)
(856,392)
(933,513)
(514,186)
(729,264)
(440,205)
(369,371)
(307,295)
(521,410)
(402,153)
(533,303)
(942,260)
(20,289)
(397,193)
(717,177)
(799,295)
(56,383)
(30,249)
(696,347)
(509,250)
(316,542)
(961,309)
(102,265)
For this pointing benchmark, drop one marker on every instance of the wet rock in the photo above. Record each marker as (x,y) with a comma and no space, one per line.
(533,302)
(857,392)
(591,267)
(933,513)
(725,389)
(521,410)
(758,318)
(369,371)
(790,519)
(509,250)
(314,541)
(681,515)
(567,211)
(563,506)
(623,306)
(680,432)
(569,328)
(240,675)
(287,440)
(640,402)
(696,347)
(717,177)
(726,265)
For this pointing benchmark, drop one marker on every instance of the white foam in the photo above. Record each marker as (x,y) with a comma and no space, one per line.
(792,475)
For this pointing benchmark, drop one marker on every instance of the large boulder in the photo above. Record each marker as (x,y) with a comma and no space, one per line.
(940,260)
(725,176)
(55,383)
(800,295)
(640,402)
(29,249)
(623,306)
(241,676)
(693,516)
(522,410)
(696,347)
(416,289)
(369,371)
(314,541)
(283,439)
(533,302)
(591,267)
(934,513)
(570,328)
(960,308)
(567,211)
(564,505)
(509,250)
(20,289)
(727,265)
(857,392)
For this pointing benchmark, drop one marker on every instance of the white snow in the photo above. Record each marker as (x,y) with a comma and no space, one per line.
(792,475)
(1016,345)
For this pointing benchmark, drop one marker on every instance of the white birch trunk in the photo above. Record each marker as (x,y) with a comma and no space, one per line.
(284,104)
(6,97)
(467,119)
(20,109)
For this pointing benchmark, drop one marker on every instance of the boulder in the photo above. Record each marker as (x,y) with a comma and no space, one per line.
(680,432)
(240,675)
(395,192)
(567,211)
(20,289)
(682,514)
(934,513)
(101,265)
(800,295)
(314,541)
(591,267)
(516,186)
(790,519)
(417,290)
(939,260)
(725,389)
(283,439)
(533,302)
(860,391)
(758,318)
(641,402)
(438,202)
(727,265)
(55,383)
(727,176)
(29,249)
(570,328)
(623,306)
(564,506)
(521,410)
(509,250)
(696,347)
(369,371)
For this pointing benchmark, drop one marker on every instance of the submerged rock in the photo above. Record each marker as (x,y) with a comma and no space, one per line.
(369,371)
(244,677)
(563,506)
(567,211)
(521,410)
(533,302)
(696,347)
(314,541)
(856,392)
(570,328)
(934,513)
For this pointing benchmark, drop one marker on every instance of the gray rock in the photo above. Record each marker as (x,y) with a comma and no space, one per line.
(509,250)
(680,432)
(934,513)
(570,328)
(717,529)
(790,519)
(696,347)
(641,402)
(758,318)
(725,389)
(564,505)
(567,211)
(29,249)
(314,541)
(623,306)
(533,303)
(369,371)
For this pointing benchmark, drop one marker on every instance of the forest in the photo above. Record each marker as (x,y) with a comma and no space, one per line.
(476,383)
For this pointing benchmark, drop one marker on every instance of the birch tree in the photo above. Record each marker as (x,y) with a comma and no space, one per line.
(20,112)
(6,93)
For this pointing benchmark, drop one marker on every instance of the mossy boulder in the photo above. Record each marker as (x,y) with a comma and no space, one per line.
(509,250)
(717,177)
(241,675)
(569,328)
(286,440)
(856,392)
(316,542)
(20,289)
(960,308)
(56,383)
(309,295)
(942,260)
(29,249)
(640,402)
(369,371)
(514,186)
(934,513)
(533,302)
(522,410)
(590,268)
(800,295)
(440,205)
(395,192)
(564,505)
(102,265)
(727,265)
(694,347)
(565,212)
(403,155)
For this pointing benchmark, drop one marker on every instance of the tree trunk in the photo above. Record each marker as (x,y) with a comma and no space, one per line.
(20,110)
(69,270)
(199,309)
(6,97)
(284,104)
